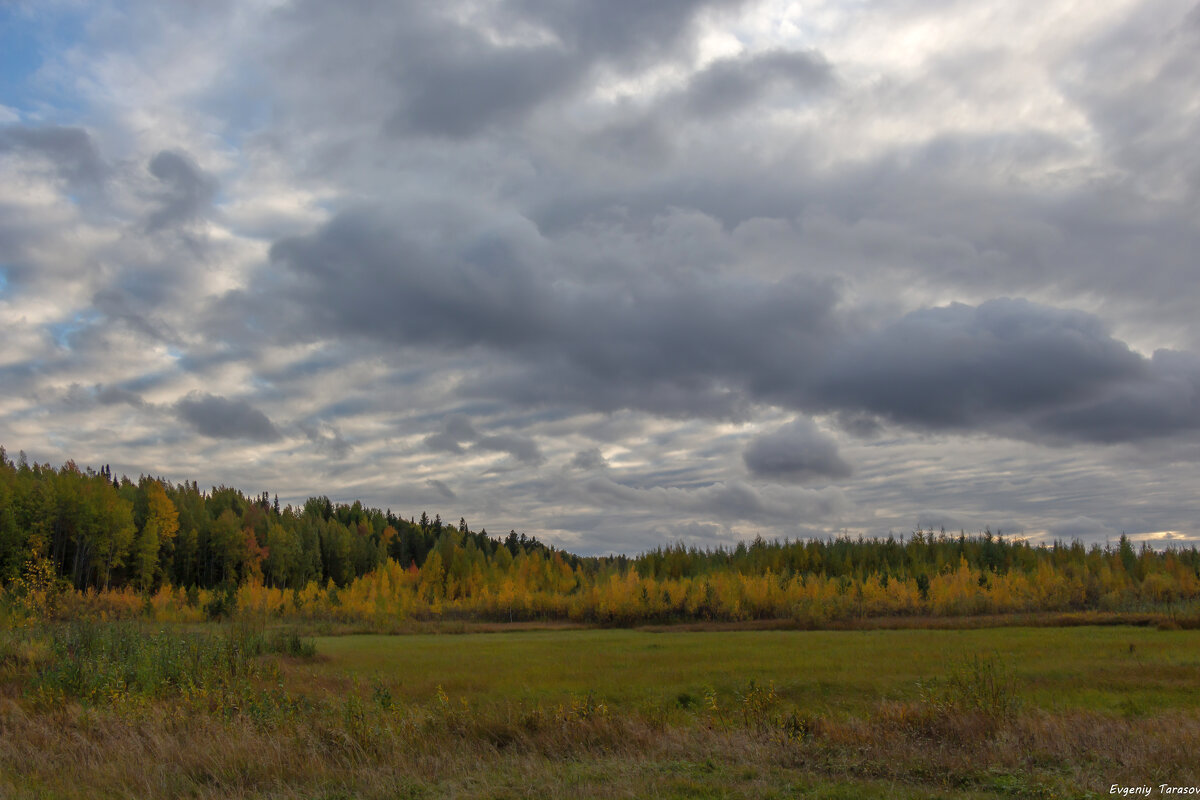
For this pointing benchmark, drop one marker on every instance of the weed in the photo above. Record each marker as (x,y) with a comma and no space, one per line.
(587,707)
(758,705)
(983,685)
(122,662)
(292,644)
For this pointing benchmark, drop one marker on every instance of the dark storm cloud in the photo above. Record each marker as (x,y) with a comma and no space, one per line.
(797,452)
(410,292)
(70,149)
(221,418)
(669,343)
(960,366)
(186,191)
(703,344)
(1014,368)
(1165,401)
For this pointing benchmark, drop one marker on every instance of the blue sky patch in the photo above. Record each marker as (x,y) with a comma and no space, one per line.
(27,42)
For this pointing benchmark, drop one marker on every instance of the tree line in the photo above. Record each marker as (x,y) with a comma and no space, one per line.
(99,534)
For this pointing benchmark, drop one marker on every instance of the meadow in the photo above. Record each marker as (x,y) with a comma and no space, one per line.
(246,710)
(157,640)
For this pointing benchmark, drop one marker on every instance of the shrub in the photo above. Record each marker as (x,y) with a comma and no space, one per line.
(980,686)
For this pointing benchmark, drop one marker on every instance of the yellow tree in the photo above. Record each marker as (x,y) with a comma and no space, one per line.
(163,519)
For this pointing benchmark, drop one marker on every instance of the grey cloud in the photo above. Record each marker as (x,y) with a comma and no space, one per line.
(645,137)
(327,438)
(546,232)
(457,430)
(589,459)
(724,500)
(1083,528)
(460,97)
(522,448)
(796,452)
(187,191)
(435,74)
(862,425)
(627,29)
(119,306)
(710,345)
(441,488)
(1164,402)
(407,291)
(221,418)
(1137,85)
(71,150)
(960,366)
(657,343)
(113,395)
(696,533)
(733,83)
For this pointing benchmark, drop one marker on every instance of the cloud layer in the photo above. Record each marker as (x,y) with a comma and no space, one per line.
(617,273)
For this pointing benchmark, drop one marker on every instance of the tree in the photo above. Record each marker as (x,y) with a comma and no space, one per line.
(161,511)
(145,559)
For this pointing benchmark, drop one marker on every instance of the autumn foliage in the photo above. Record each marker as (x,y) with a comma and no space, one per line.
(82,543)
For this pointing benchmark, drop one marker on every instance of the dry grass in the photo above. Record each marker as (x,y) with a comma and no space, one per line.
(360,748)
(965,735)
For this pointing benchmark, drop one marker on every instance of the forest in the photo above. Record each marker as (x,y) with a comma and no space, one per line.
(83,542)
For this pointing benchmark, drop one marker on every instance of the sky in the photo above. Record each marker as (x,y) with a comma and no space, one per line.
(616,274)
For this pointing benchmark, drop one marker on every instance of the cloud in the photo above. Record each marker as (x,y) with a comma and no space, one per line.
(111,395)
(589,459)
(70,149)
(713,346)
(730,84)
(441,488)
(186,191)
(797,452)
(220,418)
(522,448)
(327,438)
(456,76)
(1014,368)
(535,228)
(457,430)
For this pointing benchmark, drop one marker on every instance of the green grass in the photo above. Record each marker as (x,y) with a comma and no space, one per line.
(1107,669)
(983,713)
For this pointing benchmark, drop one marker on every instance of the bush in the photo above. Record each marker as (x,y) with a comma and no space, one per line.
(980,686)
(222,604)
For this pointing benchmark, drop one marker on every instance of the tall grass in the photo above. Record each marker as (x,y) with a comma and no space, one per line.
(115,662)
(118,727)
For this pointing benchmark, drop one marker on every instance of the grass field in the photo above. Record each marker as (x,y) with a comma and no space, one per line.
(1000,712)
(1108,669)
